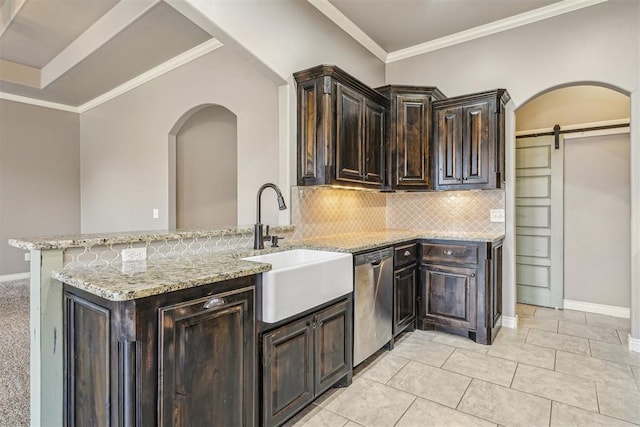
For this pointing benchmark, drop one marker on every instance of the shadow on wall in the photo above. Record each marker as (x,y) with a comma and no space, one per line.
(203,175)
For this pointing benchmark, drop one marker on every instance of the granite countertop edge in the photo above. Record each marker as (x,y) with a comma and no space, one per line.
(123,282)
(88,240)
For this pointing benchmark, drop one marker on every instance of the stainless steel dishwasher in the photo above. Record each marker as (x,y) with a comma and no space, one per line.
(373,302)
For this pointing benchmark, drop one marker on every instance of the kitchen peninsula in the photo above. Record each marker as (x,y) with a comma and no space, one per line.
(193,265)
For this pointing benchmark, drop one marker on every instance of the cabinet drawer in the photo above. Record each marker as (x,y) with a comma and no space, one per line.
(458,254)
(405,255)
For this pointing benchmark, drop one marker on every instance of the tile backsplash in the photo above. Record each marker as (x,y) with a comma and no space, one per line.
(445,210)
(321,211)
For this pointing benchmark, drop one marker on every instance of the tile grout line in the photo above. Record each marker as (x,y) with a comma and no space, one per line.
(406,410)
(515,371)
(463,394)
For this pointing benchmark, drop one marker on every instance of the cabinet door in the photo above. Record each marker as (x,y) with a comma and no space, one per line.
(374,143)
(207,361)
(449,146)
(88,364)
(411,145)
(349,147)
(449,295)
(476,140)
(287,378)
(333,341)
(404,297)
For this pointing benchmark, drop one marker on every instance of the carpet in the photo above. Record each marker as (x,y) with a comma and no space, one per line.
(14,353)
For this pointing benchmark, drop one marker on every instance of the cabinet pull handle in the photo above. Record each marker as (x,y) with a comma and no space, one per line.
(407,253)
(213,302)
(449,252)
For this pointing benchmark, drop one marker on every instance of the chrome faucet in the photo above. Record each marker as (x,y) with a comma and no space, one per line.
(258,238)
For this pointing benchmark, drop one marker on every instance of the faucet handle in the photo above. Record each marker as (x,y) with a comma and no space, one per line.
(267,235)
(274,240)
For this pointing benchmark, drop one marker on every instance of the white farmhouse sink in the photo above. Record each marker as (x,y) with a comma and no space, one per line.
(301,279)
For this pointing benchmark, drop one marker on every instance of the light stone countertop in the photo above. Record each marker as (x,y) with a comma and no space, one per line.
(87,240)
(127,281)
(133,280)
(359,242)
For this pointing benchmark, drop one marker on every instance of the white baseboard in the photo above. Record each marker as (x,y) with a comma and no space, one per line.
(634,344)
(510,322)
(12,277)
(589,307)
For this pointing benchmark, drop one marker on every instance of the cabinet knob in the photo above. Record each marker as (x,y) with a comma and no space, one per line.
(213,302)
(449,252)
(407,253)
(473,274)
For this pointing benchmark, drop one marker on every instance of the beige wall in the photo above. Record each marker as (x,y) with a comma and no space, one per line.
(207,170)
(573,105)
(596,44)
(39,177)
(597,220)
(124,142)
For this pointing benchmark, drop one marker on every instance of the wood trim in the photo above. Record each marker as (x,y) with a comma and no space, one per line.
(165,67)
(8,13)
(104,29)
(499,26)
(12,277)
(510,322)
(338,18)
(38,102)
(608,310)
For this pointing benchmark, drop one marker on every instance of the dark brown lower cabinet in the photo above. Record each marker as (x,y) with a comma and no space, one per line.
(461,288)
(184,358)
(302,359)
(404,298)
(206,360)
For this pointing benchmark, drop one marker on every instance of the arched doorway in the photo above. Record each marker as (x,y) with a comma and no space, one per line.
(203,169)
(588,245)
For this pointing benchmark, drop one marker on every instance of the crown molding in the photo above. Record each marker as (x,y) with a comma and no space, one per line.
(108,26)
(165,67)
(38,102)
(501,25)
(331,12)
(8,12)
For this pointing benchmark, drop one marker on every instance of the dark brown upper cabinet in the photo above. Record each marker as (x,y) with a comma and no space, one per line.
(409,135)
(468,143)
(341,129)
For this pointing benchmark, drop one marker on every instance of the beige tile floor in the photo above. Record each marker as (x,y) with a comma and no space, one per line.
(560,368)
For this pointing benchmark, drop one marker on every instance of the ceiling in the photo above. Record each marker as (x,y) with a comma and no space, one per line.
(399,24)
(79,53)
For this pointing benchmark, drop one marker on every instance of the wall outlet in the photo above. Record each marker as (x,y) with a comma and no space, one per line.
(27,256)
(134,254)
(497,215)
(156,213)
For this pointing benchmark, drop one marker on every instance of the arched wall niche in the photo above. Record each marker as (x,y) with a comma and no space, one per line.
(203,159)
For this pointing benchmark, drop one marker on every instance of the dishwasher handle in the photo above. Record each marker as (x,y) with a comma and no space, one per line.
(374,257)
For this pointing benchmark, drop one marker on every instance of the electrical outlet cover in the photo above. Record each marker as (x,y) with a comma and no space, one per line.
(134,254)
(497,215)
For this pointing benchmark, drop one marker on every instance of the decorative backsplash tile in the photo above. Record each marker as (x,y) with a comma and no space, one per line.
(98,255)
(323,211)
(445,210)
